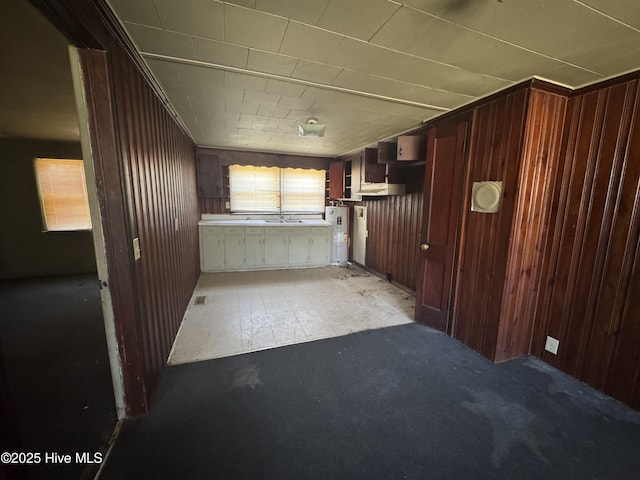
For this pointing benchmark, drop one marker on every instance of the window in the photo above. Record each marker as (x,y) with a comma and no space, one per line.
(303,190)
(63,194)
(275,190)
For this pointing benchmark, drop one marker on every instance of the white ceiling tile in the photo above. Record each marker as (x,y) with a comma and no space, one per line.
(315,72)
(307,11)
(273,63)
(272,112)
(295,103)
(399,90)
(220,53)
(565,29)
(203,18)
(282,87)
(239,123)
(142,12)
(253,29)
(356,18)
(243,3)
(626,11)
(356,55)
(239,107)
(261,98)
(225,116)
(155,40)
(163,70)
(199,75)
(246,81)
(309,43)
(231,94)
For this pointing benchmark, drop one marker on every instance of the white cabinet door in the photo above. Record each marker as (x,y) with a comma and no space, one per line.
(320,246)
(253,251)
(233,247)
(299,249)
(211,249)
(275,250)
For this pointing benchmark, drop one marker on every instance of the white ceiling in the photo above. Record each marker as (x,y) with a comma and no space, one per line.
(241,74)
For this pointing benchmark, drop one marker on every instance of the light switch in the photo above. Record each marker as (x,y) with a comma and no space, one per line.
(136,248)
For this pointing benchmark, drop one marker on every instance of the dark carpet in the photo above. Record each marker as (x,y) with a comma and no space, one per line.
(55,356)
(397,403)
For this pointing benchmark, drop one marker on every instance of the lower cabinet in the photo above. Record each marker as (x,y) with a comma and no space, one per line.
(255,248)
(233,247)
(320,253)
(275,248)
(299,246)
(211,242)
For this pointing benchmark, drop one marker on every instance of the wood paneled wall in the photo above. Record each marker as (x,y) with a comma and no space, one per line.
(591,300)
(159,164)
(145,176)
(536,186)
(494,154)
(394,236)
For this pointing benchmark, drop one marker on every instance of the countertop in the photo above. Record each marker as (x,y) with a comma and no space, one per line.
(310,222)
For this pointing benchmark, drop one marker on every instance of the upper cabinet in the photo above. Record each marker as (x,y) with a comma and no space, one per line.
(373,171)
(209,176)
(408,148)
(411,148)
(336,180)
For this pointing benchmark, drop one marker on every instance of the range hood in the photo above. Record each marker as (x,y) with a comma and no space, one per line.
(381,189)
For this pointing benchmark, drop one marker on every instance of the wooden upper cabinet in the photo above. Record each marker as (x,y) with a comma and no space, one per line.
(209,176)
(373,171)
(336,180)
(411,148)
(387,152)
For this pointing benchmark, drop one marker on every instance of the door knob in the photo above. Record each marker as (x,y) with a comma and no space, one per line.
(424,246)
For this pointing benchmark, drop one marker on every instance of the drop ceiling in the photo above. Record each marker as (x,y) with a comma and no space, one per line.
(241,74)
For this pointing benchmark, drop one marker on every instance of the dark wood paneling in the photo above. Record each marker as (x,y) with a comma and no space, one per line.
(394,236)
(591,300)
(539,167)
(494,154)
(159,161)
(115,215)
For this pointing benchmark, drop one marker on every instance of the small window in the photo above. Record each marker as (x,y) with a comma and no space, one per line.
(276,190)
(254,189)
(63,194)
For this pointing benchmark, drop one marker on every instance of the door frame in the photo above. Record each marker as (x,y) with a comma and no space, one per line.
(449,123)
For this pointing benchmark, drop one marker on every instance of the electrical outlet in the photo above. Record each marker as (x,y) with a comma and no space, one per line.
(552,345)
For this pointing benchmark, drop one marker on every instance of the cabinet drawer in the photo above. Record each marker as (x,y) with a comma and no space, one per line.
(254,231)
(318,231)
(275,231)
(234,230)
(298,231)
(212,230)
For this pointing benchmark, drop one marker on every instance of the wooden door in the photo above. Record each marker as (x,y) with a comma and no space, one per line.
(442,199)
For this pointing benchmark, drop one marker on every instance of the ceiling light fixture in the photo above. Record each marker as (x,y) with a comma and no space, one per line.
(311,129)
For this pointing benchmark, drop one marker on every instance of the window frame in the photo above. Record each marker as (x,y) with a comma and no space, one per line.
(49,226)
(282,193)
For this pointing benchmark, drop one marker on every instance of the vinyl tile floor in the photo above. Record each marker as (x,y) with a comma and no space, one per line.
(232,313)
